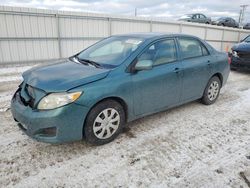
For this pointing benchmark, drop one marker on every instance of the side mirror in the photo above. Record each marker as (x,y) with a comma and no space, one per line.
(144,65)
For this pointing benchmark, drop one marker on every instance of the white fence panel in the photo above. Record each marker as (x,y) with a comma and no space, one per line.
(30,35)
(197,31)
(214,34)
(231,36)
(121,27)
(162,27)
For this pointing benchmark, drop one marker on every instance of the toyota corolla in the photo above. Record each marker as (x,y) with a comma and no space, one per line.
(94,93)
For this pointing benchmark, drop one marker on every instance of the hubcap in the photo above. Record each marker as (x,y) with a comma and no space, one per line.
(106,123)
(213,90)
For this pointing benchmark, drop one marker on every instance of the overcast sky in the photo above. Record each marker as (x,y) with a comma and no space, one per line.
(170,9)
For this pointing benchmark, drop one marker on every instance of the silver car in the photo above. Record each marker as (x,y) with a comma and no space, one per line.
(198,18)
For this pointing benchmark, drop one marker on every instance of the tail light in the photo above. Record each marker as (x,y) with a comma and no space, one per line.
(229,60)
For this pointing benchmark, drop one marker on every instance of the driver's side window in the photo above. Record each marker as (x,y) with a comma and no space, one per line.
(161,52)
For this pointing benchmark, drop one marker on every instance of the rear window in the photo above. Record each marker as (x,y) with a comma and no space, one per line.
(192,48)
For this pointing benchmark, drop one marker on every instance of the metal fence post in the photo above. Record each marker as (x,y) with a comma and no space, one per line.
(205,37)
(222,41)
(59,36)
(151,25)
(239,36)
(109,26)
(180,28)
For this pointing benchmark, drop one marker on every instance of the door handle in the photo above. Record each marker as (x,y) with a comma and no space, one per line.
(177,70)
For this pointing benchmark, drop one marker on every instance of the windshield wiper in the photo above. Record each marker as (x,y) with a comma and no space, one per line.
(93,63)
(77,60)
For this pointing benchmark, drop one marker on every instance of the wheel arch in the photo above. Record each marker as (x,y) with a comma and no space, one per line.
(119,100)
(219,75)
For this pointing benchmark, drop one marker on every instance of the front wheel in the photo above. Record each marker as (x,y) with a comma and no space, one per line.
(233,68)
(104,122)
(212,91)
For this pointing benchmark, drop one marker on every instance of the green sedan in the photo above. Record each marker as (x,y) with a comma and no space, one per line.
(94,93)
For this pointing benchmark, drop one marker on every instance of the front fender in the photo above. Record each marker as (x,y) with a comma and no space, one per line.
(114,86)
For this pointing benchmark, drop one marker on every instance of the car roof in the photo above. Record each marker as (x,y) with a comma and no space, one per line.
(151,35)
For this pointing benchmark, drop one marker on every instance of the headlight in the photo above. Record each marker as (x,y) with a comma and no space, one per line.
(55,100)
(235,54)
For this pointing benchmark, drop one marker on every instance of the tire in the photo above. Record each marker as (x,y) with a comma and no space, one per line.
(212,91)
(233,68)
(104,122)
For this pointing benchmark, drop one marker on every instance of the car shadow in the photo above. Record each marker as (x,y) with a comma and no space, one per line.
(130,131)
(242,71)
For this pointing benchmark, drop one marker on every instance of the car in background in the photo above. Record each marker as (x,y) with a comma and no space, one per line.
(246,26)
(240,55)
(94,93)
(198,18)
(226,21)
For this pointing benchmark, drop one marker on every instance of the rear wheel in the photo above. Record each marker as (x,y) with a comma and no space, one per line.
(212,91)
(104,122)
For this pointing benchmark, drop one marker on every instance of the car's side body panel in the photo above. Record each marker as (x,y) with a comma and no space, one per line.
(151,91)
(157,88)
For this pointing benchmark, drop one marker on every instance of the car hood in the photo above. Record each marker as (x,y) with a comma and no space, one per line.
(242,47)
(62,76)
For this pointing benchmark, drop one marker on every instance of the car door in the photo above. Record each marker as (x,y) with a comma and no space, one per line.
(195,18)
(196,68)
(235,24)
(202,18)
(158,88)
(228,22)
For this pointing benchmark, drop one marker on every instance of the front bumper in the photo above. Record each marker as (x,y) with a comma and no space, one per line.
(65,122)
(239,63)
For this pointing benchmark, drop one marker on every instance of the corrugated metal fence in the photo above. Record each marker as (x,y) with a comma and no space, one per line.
(32,35)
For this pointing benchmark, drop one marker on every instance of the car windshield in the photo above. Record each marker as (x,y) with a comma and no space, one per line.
(111,51)
(247,39)
(186,16)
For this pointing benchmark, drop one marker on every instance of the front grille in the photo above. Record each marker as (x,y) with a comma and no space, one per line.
(29,92)
(29,95)
(245,56)
(19,98)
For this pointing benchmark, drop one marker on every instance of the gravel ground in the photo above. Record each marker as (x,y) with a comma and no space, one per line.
(189,146)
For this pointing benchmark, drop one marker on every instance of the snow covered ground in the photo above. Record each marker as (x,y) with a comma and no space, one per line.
(189,146)
(10,77)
